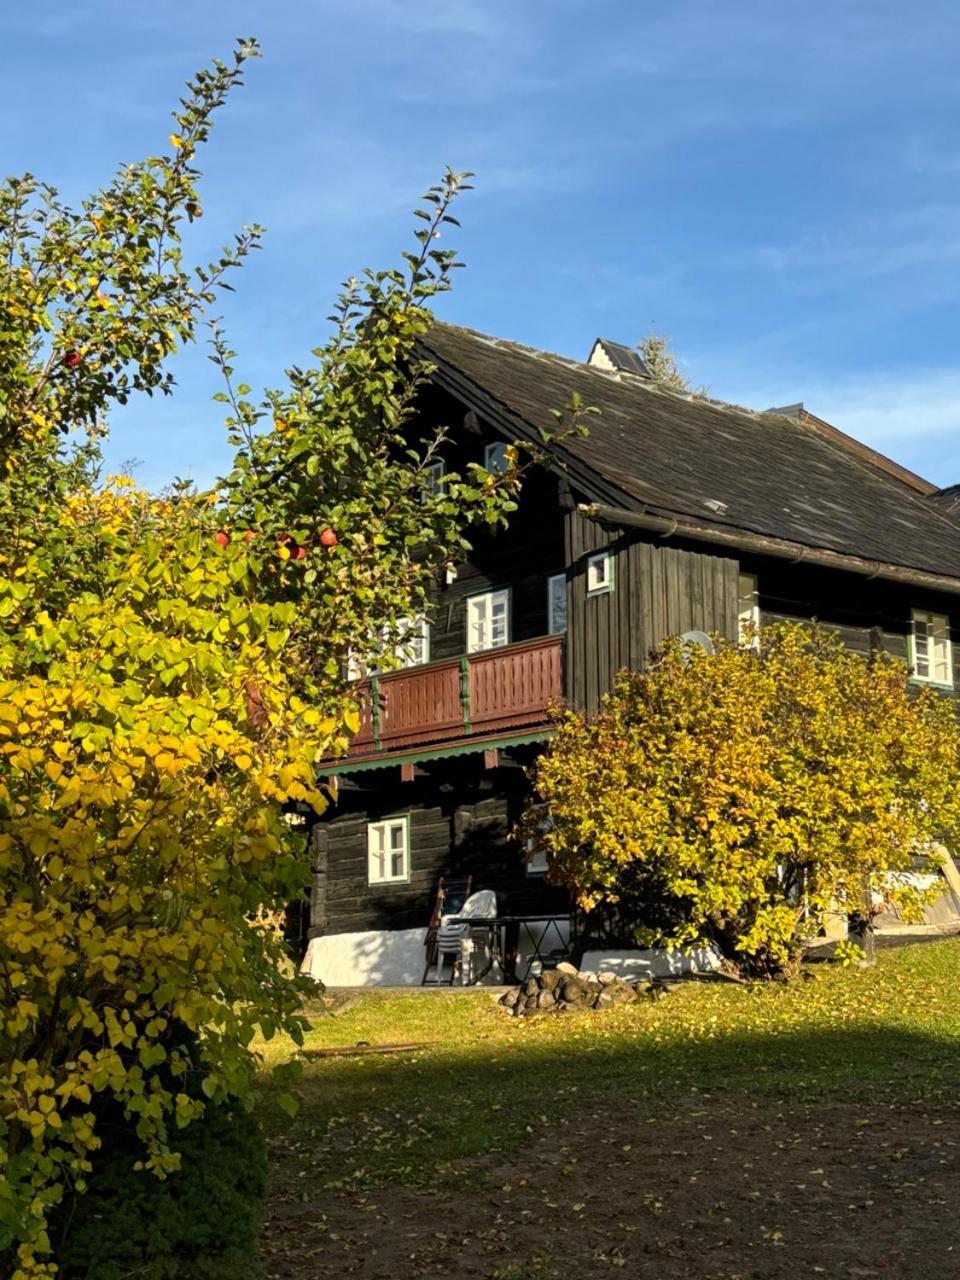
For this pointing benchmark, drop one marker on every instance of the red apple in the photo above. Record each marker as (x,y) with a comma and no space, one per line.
(300,553)
(221,538)
(71,359)
(328,538)
(249,535)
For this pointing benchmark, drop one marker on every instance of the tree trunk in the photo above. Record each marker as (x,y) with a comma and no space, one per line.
(861,926)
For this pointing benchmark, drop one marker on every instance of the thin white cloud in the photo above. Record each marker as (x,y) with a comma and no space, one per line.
(910,240)
(913,417)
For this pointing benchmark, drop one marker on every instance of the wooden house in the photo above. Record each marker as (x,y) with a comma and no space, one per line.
(676,513)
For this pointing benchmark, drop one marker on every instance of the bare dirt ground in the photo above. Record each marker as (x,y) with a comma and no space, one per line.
(724,1191)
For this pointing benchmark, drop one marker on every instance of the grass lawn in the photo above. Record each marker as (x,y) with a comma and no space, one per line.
(722,1131)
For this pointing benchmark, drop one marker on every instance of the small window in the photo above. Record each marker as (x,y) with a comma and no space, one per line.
(488,621)
(433,474)
(748,609)
(599,573)
(495,456)
(930,650)
(557,604)
(388,851)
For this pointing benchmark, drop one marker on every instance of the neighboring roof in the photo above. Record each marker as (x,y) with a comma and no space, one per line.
(677,455)
(803,414)
(948,499)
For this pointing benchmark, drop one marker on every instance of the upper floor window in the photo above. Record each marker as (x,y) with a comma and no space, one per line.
(748,610)
(355,668)
(433,474)
(930,653)
(495,456)
(488,620)
(557,604)
(388,851)
(599,573)
(413,646)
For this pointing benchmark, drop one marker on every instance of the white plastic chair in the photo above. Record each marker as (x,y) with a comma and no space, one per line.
(458,940)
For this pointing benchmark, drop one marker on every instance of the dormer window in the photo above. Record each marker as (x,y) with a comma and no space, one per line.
(930,651)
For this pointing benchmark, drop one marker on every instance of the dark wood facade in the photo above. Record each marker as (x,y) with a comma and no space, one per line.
(658,591)
(461,819)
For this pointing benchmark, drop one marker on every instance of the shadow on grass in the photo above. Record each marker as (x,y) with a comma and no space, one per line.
(367,1122)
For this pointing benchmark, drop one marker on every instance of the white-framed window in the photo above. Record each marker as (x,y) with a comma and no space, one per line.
(355,668)
(433,474)
(557,604)
(413,646)
(495,456)
(388,851)
(599,573)
(537,860)
(748,608)
(930,653)
(488,620)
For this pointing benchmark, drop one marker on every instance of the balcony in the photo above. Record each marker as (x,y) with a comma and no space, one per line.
(481,695)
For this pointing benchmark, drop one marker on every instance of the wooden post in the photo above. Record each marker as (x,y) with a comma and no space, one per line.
(375,712)
(465,692)
(491,758)
(407,772)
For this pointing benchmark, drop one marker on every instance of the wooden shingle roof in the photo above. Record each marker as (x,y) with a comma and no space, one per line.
(688,456)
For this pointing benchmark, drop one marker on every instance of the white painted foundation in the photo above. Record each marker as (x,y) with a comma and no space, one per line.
(395,958)
(377,958)
(655,962)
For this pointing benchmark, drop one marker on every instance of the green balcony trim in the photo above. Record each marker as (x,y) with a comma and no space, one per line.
(437,752)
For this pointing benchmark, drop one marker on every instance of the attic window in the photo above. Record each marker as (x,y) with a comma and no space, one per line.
(714,504)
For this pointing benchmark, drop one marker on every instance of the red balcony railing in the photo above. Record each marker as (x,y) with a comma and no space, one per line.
(483,693)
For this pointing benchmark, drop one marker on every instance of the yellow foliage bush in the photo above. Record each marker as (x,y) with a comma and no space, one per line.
(149,736)
(737,797)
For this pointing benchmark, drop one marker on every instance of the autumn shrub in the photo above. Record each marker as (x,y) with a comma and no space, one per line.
(202,1222)
(738,797)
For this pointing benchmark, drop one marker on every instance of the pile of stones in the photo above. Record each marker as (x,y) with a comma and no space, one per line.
(566,989)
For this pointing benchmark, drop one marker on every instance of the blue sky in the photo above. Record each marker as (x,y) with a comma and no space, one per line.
(775,186)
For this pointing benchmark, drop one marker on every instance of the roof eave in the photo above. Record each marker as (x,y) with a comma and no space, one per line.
(761,544)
